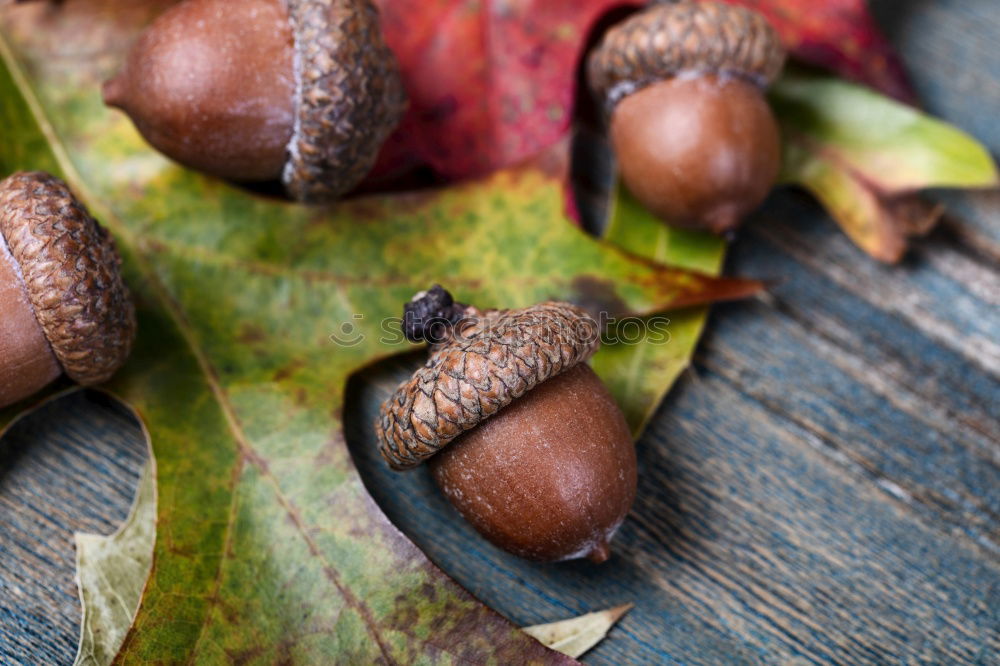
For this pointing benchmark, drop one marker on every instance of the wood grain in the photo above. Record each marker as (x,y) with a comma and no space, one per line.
(822,486)
(72,466)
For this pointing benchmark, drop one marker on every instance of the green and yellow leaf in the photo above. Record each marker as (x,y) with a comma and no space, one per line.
(864,156)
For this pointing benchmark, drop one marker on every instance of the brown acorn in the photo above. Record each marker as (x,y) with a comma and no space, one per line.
(63,304)
(252,90)
(683,84)
(520,434)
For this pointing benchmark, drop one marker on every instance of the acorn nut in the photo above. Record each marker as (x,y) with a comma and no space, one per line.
(255,90)
(693,135)
(63,305)
(520,434)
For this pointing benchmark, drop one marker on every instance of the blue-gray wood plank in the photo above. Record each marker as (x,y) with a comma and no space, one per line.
(822,486)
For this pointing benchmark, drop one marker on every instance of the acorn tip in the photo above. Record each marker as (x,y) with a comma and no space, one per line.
(113,92)
(600,552)
(724,218)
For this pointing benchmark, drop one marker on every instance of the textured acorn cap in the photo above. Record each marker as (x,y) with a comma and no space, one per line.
(349,96)
(71,272)
(491,359)
(665,40)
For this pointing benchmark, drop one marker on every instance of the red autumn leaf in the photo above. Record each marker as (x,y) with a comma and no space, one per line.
(492,83)
(839,35)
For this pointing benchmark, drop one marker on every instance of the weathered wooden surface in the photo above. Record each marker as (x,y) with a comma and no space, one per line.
(824,485)
(71,466)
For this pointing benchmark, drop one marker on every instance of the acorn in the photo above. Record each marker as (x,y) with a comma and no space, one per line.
(683,85)
(256,90)
(63,305)
(520,434)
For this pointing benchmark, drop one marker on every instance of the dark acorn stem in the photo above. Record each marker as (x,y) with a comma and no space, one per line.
(431,314)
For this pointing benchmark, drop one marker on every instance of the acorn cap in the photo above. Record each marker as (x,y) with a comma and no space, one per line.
(71,273)
(665,40)
(490,359)
(349,96)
